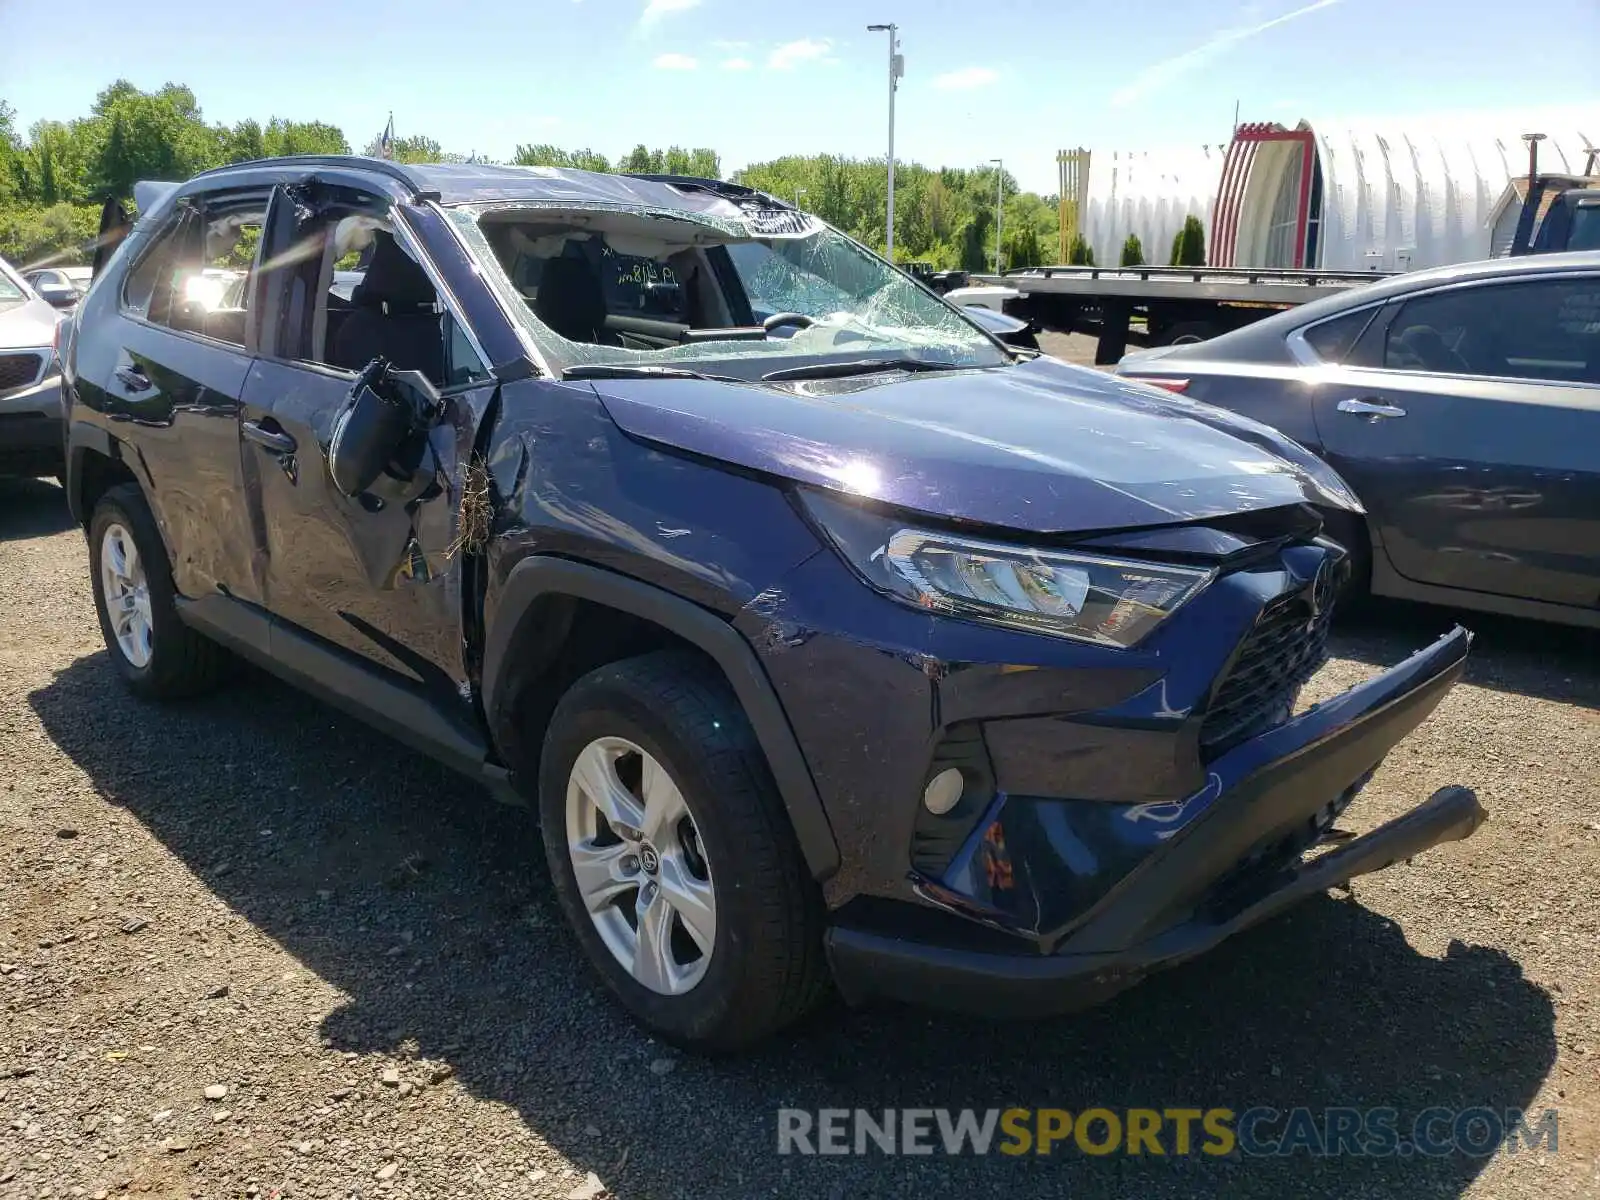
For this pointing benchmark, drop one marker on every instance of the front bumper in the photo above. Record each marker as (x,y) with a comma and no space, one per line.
(32,433)
(1219,868)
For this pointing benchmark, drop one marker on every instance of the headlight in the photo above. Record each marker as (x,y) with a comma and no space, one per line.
(1086,597)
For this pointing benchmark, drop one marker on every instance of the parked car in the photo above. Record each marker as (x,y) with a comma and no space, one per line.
(1463,406)
(1013,331)
(62,287)
(31,433)
(829,640)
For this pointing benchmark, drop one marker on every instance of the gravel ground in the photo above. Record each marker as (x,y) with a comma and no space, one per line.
(248,948)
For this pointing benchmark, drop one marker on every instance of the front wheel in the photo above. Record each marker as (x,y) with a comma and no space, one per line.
(672,855)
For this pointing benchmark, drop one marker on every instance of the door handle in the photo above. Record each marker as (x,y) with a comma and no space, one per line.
(133,378)
(274,440)
(1371,408)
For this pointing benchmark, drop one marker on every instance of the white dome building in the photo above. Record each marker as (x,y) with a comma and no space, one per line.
(1331,193)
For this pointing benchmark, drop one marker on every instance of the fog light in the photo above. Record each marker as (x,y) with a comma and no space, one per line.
(944,792)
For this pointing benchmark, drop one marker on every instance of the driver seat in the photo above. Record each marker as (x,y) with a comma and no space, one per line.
(393,316)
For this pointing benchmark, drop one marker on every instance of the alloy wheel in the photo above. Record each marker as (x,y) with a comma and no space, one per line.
(126,590)
(640,866)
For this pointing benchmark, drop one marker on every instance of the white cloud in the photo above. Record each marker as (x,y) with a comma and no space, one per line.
(965,79)
(1162,74)
(675,62)
(792,54)
(654,10)
(736,64)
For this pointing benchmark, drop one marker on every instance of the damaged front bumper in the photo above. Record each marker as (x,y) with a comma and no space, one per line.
(1227,857)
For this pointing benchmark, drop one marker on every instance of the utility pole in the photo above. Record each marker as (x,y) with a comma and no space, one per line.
(897,68)
(999,206)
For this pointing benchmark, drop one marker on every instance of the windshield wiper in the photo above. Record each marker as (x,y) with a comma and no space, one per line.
(856,366)
(639,371)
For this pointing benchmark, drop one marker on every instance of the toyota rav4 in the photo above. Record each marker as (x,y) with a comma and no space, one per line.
(833,642)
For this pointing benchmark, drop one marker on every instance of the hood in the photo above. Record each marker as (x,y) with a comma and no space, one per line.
(30,323)
(1040,446)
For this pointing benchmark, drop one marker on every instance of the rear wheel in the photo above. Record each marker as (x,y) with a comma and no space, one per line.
(673,858)
(1187,333)
(156,654)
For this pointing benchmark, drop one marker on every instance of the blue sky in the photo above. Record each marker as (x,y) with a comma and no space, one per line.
(984,78)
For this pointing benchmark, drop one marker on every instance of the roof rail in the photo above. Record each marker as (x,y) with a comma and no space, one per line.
(381,166)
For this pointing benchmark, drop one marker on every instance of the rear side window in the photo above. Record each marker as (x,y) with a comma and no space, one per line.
(147,290)
(1543,329)
(1334,339)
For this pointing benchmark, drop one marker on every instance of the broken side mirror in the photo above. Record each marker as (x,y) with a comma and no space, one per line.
(58,295)
(381,427)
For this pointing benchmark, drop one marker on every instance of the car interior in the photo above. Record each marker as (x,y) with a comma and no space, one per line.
(614,279)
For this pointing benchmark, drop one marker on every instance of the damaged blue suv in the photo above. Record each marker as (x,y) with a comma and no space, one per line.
(833,642)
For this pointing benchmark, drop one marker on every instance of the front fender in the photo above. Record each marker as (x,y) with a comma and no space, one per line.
(539,576)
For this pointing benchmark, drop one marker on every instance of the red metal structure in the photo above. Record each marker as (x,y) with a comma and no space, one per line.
(1232,193)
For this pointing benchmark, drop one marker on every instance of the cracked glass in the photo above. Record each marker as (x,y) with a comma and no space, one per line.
(630,286)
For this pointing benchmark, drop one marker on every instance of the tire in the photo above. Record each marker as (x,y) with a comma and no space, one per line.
(1188,333)
(765,967)
(1350,531)
(172,660)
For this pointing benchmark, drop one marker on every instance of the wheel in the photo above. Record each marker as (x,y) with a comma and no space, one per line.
(1188,333)
(156,654)
(673,858)
(1350,531)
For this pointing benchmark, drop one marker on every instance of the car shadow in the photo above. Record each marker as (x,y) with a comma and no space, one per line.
(1509,654)
(32,508)
(429,907)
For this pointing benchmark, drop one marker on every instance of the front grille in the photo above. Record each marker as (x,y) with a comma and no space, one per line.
(19,370)
(1286,646)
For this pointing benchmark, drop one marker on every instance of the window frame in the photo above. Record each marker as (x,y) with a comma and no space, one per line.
(190,206)
(391,209)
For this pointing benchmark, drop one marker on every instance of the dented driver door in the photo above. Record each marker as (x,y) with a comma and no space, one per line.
(378,574)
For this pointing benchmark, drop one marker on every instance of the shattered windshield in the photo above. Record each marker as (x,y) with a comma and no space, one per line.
(607,285)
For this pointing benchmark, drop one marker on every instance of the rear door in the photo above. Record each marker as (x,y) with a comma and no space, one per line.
(1473,437)
(166,359)
(373,575)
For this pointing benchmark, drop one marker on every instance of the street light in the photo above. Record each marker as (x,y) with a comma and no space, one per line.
(798,192)
(897,68)
(999,206)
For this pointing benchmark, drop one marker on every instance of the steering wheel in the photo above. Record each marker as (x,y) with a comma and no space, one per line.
(779,320)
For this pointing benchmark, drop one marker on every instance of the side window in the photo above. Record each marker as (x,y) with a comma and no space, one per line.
(1543,329)
(462,362)
(1335,338)
(191,277)
(147,289)
(212,301)
(353,291)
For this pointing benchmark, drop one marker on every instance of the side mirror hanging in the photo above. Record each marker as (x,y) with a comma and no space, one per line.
(384,410)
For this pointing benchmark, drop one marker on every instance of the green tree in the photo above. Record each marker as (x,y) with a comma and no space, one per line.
(1132,252)
(282,137)
(1189,244)
(1080,253)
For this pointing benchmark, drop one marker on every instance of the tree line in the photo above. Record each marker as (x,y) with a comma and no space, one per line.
(55,175)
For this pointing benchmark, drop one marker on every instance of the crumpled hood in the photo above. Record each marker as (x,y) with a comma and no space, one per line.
(1041,446)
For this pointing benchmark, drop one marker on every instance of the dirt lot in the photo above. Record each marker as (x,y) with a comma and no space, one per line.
(254,893)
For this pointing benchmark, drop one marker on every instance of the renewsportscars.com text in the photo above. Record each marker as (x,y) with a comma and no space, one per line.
(1218,1132)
